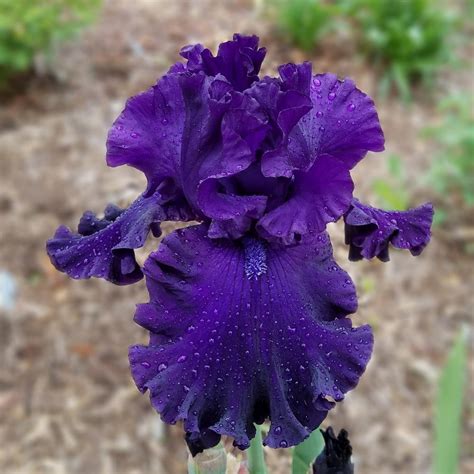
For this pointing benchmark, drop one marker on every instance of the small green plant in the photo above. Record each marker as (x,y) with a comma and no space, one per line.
(304,21)
(28,27)
(452,171)
(407,39)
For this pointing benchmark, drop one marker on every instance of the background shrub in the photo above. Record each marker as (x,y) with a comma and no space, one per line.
(31,26)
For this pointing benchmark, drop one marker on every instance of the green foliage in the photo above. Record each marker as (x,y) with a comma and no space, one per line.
(448,409)
(305,453)
(304,21)
(31,26)
(407,38)
(256,459)
(452,172)
(391,191)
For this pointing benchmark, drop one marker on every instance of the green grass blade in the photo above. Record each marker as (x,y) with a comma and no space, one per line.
(256,459)
(305,453)
(448,409)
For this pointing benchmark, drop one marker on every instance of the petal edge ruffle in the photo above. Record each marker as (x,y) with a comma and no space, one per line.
(224,352)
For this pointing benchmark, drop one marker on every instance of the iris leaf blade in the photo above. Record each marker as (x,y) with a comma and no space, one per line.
(448,409)
(305,453)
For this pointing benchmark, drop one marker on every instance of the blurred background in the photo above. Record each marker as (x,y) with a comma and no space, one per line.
(67,401)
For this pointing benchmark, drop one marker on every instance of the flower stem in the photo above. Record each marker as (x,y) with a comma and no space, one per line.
(256,459)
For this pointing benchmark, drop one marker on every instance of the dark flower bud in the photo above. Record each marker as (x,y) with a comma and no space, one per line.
(336,455)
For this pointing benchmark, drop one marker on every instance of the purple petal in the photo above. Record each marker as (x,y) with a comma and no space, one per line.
(320,196)
(285,102)
(342,122)
(238,60)
(148,135)
(370,230)
(103,248)
(224,351)
(158,134)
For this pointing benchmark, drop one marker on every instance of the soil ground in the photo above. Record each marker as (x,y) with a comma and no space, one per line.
(67,401)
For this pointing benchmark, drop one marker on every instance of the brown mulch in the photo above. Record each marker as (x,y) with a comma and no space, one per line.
(67,401)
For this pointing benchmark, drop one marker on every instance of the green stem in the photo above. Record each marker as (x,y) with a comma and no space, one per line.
(256,459)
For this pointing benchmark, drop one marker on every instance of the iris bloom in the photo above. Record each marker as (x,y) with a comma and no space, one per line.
(248,309)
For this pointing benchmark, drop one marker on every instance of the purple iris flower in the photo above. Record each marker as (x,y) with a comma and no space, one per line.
(248,309)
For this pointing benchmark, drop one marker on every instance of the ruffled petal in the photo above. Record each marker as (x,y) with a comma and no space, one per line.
(242,331)
(231,213)
(342,122)
(285,101)
(148,134)
(238,60)
(103,248)
(320,196)
(369,230)
(157,134)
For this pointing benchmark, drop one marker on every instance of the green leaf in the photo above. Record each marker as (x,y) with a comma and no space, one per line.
(305,453)
(448,409)
(255,455)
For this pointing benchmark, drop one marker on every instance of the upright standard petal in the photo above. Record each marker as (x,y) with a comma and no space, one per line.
(342,122)
(238,60)
(186,133)
(369,230)
(103,248)
(270,340)
(320,196)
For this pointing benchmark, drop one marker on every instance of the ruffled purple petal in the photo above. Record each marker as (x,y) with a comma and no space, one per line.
(342,122)
(232,214)
(157,134)
(320,196)
(149,133)
(369,230)
(238,60)
(103,248)
(242,331)
(285,101)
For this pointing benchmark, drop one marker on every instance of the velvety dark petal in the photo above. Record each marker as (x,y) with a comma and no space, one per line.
(242,331)
(342,122)
(238,60)
(232,214)
(320,196)
(103,248)
(336,455)
(369,230)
